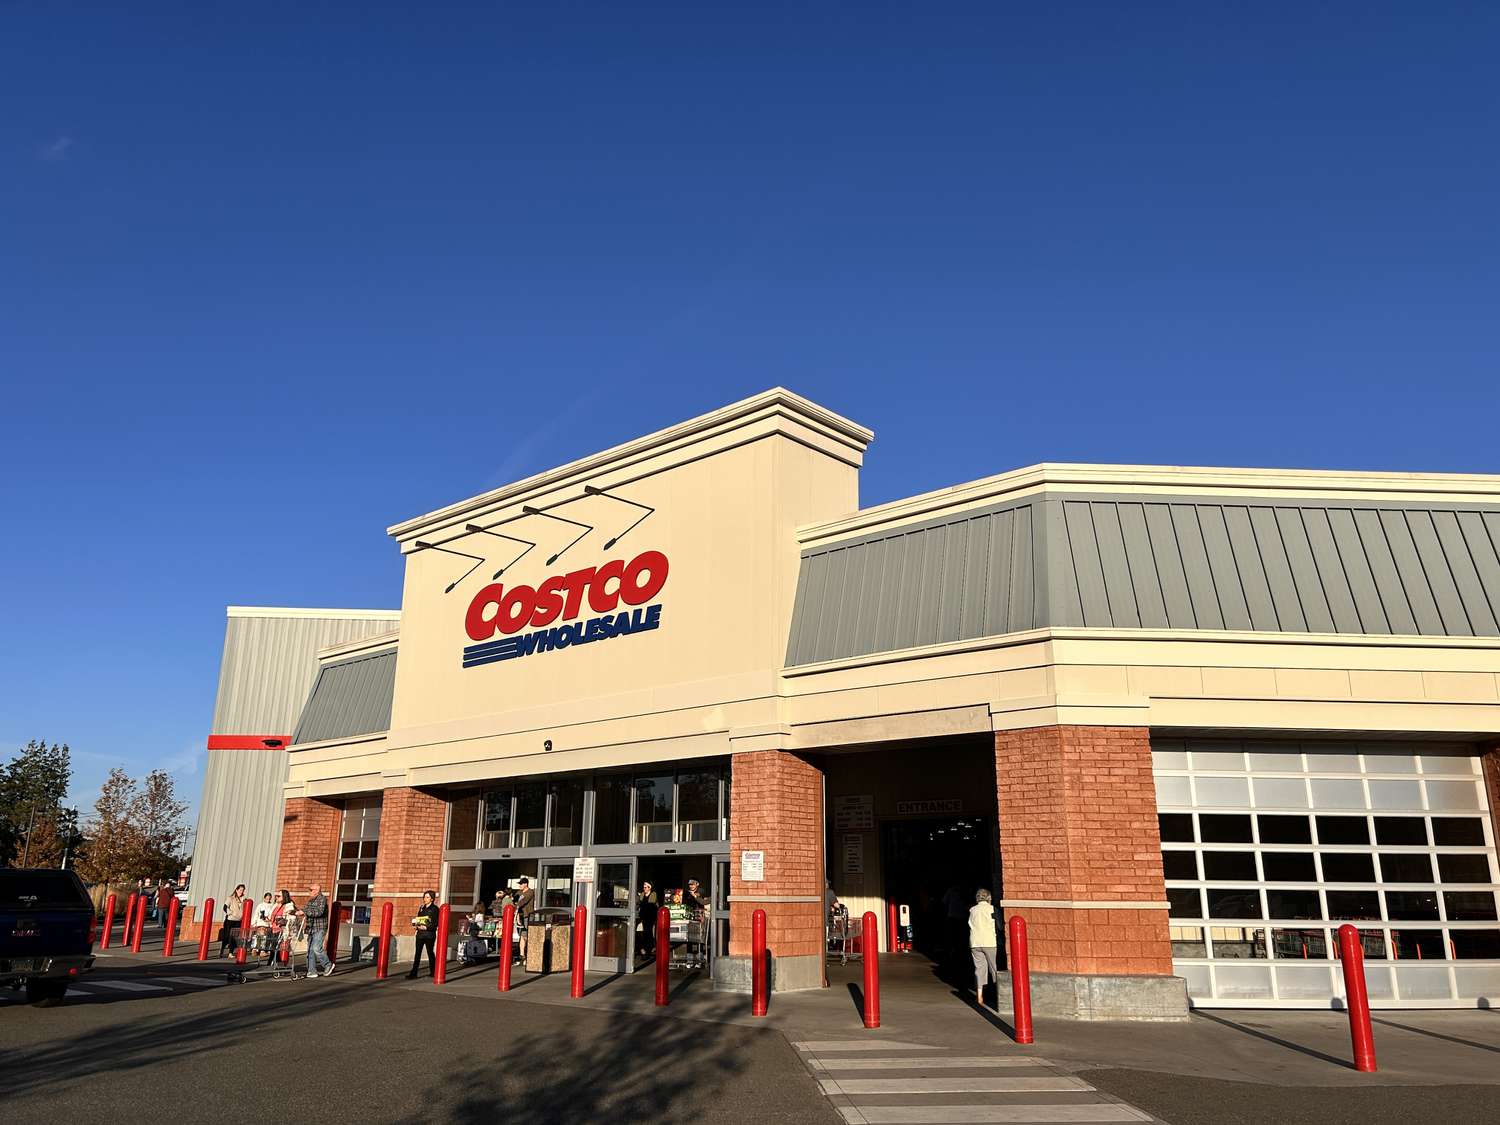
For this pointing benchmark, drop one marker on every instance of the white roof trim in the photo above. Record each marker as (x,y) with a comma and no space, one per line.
(333,614)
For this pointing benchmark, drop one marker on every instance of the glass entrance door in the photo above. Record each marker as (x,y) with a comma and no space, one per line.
(613,948)
(718,944)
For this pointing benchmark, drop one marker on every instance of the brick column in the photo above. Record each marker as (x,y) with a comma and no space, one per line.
(776,806)
(309,846)
(1078,831)
(1489,762)
(410,859)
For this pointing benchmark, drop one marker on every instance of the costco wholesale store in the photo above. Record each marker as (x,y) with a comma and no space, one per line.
(1184,721)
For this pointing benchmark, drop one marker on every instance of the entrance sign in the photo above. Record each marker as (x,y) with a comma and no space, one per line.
(584,869)
(854,814)
(753,867)
(929,808)
(854,855)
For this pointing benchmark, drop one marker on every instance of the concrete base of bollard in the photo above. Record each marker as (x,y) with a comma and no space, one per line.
(788,974)
(1083,996)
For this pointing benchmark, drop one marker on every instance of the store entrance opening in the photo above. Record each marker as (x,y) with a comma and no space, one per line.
(934,867)
(672,879)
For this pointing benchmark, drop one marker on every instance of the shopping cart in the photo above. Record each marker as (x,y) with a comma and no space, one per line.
(838,932)
(278,960)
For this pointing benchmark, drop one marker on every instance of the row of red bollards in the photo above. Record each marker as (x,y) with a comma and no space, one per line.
(1351,954)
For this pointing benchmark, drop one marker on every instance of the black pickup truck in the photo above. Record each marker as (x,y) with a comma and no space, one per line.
(46,931)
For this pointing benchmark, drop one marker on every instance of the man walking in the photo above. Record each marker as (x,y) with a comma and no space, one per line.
(315,911)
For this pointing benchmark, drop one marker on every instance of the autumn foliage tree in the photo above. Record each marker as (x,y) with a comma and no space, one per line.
(113,846)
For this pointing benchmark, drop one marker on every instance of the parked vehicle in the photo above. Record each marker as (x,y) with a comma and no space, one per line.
(46,931)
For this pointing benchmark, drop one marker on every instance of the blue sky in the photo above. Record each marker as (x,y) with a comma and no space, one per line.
(275,276)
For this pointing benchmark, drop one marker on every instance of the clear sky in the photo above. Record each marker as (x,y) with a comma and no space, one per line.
(274,276)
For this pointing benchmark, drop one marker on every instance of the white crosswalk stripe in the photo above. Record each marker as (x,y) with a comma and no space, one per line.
(128,985)
(196,982)
(938,1086)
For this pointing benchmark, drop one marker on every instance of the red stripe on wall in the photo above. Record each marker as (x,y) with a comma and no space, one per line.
(248,741)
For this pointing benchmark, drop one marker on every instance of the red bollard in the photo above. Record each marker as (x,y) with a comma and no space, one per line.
(139,932)
(1352,953)
(383,950)
(128,921)
(1020,981)
(109,921)
(759,1000)
(663,954)
(335,919)
(205,923)
(440,950)
(169,939)
(870,954)
(890,927)
(502,944)
(580,950)
(244,939)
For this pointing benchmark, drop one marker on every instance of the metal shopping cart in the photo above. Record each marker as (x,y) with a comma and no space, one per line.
(837,933)
(277,960)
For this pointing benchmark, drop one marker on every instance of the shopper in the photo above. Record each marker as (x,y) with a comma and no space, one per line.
(647,908)
(525,903)
(260,925)
(234,910)
(983,944)
(426,921)
(315,912)
(164,897)
(281,919)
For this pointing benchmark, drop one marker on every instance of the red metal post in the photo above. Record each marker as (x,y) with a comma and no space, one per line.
(109,921)
(139,932)
(870,955)
(502,946)
(440,951)
(244,939)
(759,1000)
(580,949)
(663,954)
(205,923)
(1352,953)
(890,927)
(1020,981)
(169,939)
(383,950)
(335,918)
(128,920)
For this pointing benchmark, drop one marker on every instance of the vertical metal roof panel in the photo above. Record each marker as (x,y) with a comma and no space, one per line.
(351,697)
(1180,563)
(239,824)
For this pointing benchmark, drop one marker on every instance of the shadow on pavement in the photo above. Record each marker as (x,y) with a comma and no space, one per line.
(1287,1043)
(1435,1034)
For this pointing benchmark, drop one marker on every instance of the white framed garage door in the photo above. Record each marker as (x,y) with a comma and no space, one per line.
(1269,846)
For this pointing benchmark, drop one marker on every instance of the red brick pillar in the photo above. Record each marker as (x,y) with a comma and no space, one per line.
(776,807)
(1078,832)
(410,859)
(309,845)
(1490,765)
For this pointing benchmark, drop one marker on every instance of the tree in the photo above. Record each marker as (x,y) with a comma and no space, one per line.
(156,814)
(33,786)
(114,848)
(46,845)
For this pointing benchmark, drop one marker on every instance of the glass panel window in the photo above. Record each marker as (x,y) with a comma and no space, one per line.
(612,891)
(1229,865)
(567,813)
(1289,867)
(1353,906)
(612,793)
(1455,795)
(1239,943)
(1179,865)
(1412,906)
(1282,903)
(698,804)
(1418,945)
(1469,906)
(1226,902)
(1475,945)
(1458,831)
(1332,793)
(557,887)
(1406,831)
(1187,941)
(1218,828)
(1301,945)
(1285,830)
(1371,942)
(1464,868)
(1184,902)
(349,849)
(1176,828)
(653,809)
(1343,830)
(1223,791)
(359,832)
(497,813)
(1348,867)
(1396,794)
(1406,868)
(1280,793)
(531,815)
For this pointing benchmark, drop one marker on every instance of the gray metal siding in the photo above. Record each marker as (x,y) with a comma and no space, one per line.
(350,697)
(269,664)
(239,824)
(1153,563)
